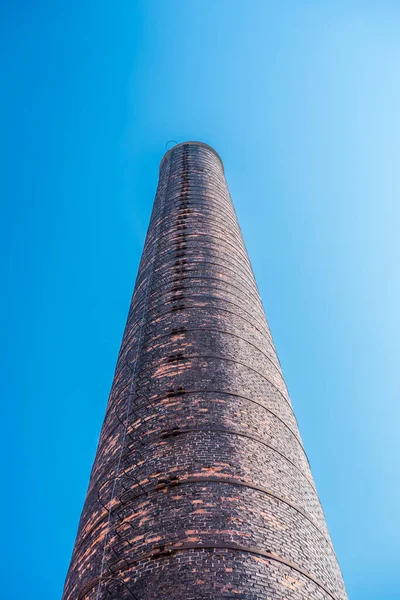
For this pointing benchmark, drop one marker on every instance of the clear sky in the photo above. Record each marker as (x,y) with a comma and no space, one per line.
(301,99)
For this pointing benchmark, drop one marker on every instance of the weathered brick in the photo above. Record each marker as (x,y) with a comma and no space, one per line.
(201,488)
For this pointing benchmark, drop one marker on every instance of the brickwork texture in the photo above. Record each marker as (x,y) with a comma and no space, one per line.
(200,488)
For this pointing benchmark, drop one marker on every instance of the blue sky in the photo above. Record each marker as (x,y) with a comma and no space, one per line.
(301,99)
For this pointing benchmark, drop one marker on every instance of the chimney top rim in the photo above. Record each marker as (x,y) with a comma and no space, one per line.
(201,144)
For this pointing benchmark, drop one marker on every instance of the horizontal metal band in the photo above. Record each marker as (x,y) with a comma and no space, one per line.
(199,391)
(173,547)
(192,265)
(198,236)
(222,332)
(200,297)
(215,357)
(258,488)
(236,266)
(203,220)
(177,432)
(207,204)
(210,479)
(152,319)
(211,232)
(206,207)
(256,324)
(164,434)
(232,250)
(167,273)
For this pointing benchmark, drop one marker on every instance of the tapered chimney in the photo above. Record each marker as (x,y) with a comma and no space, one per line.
(201,488)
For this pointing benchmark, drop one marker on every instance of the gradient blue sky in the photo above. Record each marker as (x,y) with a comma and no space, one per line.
(301,99)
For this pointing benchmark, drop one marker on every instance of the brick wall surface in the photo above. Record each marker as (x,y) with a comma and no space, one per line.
(201,488)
